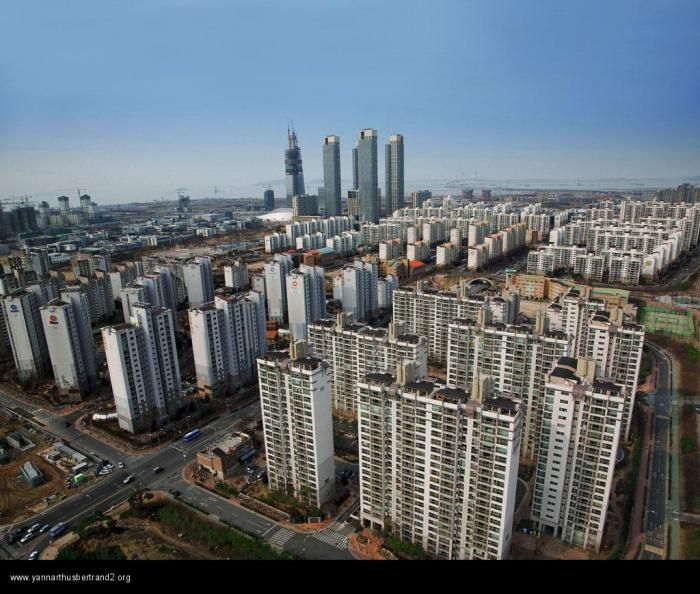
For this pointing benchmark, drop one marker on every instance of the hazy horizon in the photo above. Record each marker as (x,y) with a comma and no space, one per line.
(132,102)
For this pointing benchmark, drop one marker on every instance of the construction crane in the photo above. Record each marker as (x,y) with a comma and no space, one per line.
(17,200)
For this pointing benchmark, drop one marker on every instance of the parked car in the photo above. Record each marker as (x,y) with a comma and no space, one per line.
(35,527)
(44,528)
(33,555)
(121,465)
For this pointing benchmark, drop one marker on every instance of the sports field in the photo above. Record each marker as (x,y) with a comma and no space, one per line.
(668,321)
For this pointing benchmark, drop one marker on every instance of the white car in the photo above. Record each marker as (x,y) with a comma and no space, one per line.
(27,537)
(121,465)
(33,555)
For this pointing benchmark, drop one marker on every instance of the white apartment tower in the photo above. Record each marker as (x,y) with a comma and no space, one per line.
(295,398)
(199,281)
(616,346)
(158,330)
(276,271)
(357,289)
(354,350)
(581,428)
(227,337)
(26,334)
(71,348)
(236,276)
(133,293)
(438,467)
(143,368)
(517,358)
(306,298)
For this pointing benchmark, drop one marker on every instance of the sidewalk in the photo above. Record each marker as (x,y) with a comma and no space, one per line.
(636,536)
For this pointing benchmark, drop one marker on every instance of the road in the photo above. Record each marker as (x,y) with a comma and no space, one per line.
(661,508)
(328,544)
(56,426)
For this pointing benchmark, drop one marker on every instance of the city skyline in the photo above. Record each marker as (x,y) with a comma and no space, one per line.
(612,97)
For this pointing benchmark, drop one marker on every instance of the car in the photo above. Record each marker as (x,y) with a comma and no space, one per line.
(44,528)
(697,409)
(157,469)
(33,555)
(27,537)
(129,478)
(34,527)
(121,465)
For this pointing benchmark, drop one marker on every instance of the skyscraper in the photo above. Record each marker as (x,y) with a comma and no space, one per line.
(269,200)
(294,173)
(393,164)
(331,175)
(367,175)
(355,175)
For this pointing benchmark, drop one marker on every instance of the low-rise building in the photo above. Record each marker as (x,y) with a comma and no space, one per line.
(223,456)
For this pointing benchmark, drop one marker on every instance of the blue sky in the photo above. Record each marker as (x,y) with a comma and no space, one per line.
(132,99)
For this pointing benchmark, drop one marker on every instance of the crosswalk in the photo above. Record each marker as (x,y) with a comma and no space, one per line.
(281,537)
(333,538)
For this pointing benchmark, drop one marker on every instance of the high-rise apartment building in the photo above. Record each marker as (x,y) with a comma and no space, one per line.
(295,400)
(70,346)
(227,337)
(331,175)
(236,275)
(133,293)
(367,175)
(582,424)
(616,345)
(517,358)
(427,312)
(26,333)
(354,350)
(306,298)
(438,467)
(143,368)
(357,288)
(394,179)
(276,271)
(293,170)
(199,281)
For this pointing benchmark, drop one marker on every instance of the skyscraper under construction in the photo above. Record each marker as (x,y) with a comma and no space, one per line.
(294,174)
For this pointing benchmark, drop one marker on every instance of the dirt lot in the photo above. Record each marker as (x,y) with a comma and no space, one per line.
(690,541)
(526,547)
(16,496)
(144,540)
